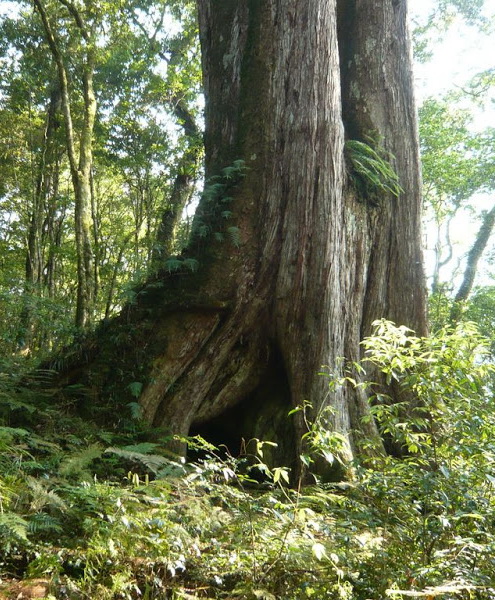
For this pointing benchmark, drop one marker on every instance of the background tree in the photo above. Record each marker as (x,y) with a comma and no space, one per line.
(457,165)
(87,23)
(134,159)
(457,152)
(31,123)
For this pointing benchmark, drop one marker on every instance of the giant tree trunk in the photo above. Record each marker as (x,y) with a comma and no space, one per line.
(231,348)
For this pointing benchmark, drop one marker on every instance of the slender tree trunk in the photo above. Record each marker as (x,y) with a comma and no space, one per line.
(440,261)
(232,347)
(80,169)
(45,188)
(473,259)
(183,186)
(86,287)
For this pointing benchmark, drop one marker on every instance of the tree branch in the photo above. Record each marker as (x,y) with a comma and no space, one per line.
(77,17)
(64,84)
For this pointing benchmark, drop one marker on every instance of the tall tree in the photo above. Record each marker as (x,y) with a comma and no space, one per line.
(473,258)
(300,241)
(42,229)
(31,191)
(80,154)
(458,164)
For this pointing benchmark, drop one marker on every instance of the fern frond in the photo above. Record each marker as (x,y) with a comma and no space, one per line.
(141,448)
(43,498)
(191,263)
(173,264)
(14,525)
(154,462)
(372,169)
(234,235)
(44,523)
(76,464)
(11,432)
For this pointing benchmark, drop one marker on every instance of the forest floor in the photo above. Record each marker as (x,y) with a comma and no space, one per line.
(95,509)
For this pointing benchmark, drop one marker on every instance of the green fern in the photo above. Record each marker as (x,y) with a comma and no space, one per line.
(136,387)
(41,523)
(154,462)
(191,264)
(217,196)
(142,448)
(234,235)
(42,498)
(76,465)
(10,487)
(173,264)
(12,527)
(10,402)
(371,170)
(11,432)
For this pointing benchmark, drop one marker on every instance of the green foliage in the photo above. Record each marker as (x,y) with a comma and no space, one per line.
(457,162)
(154,463)
(320,443)
(175,263)
(458,170)
(136,153)
(371,170)
(480,309)
(438,499)
(75,465)
(433,25)
(213,214)
(132,521)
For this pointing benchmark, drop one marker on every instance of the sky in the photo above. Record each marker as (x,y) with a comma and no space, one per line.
(460,54)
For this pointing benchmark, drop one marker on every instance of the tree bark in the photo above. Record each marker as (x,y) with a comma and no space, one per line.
(234,346)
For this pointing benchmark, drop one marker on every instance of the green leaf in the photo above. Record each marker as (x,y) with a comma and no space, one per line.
(234,235)
(136,387)
(192,264)
(14,524)
(319,551)
(281,473)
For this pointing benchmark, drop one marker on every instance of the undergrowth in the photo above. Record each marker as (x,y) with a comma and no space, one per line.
(108,514)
